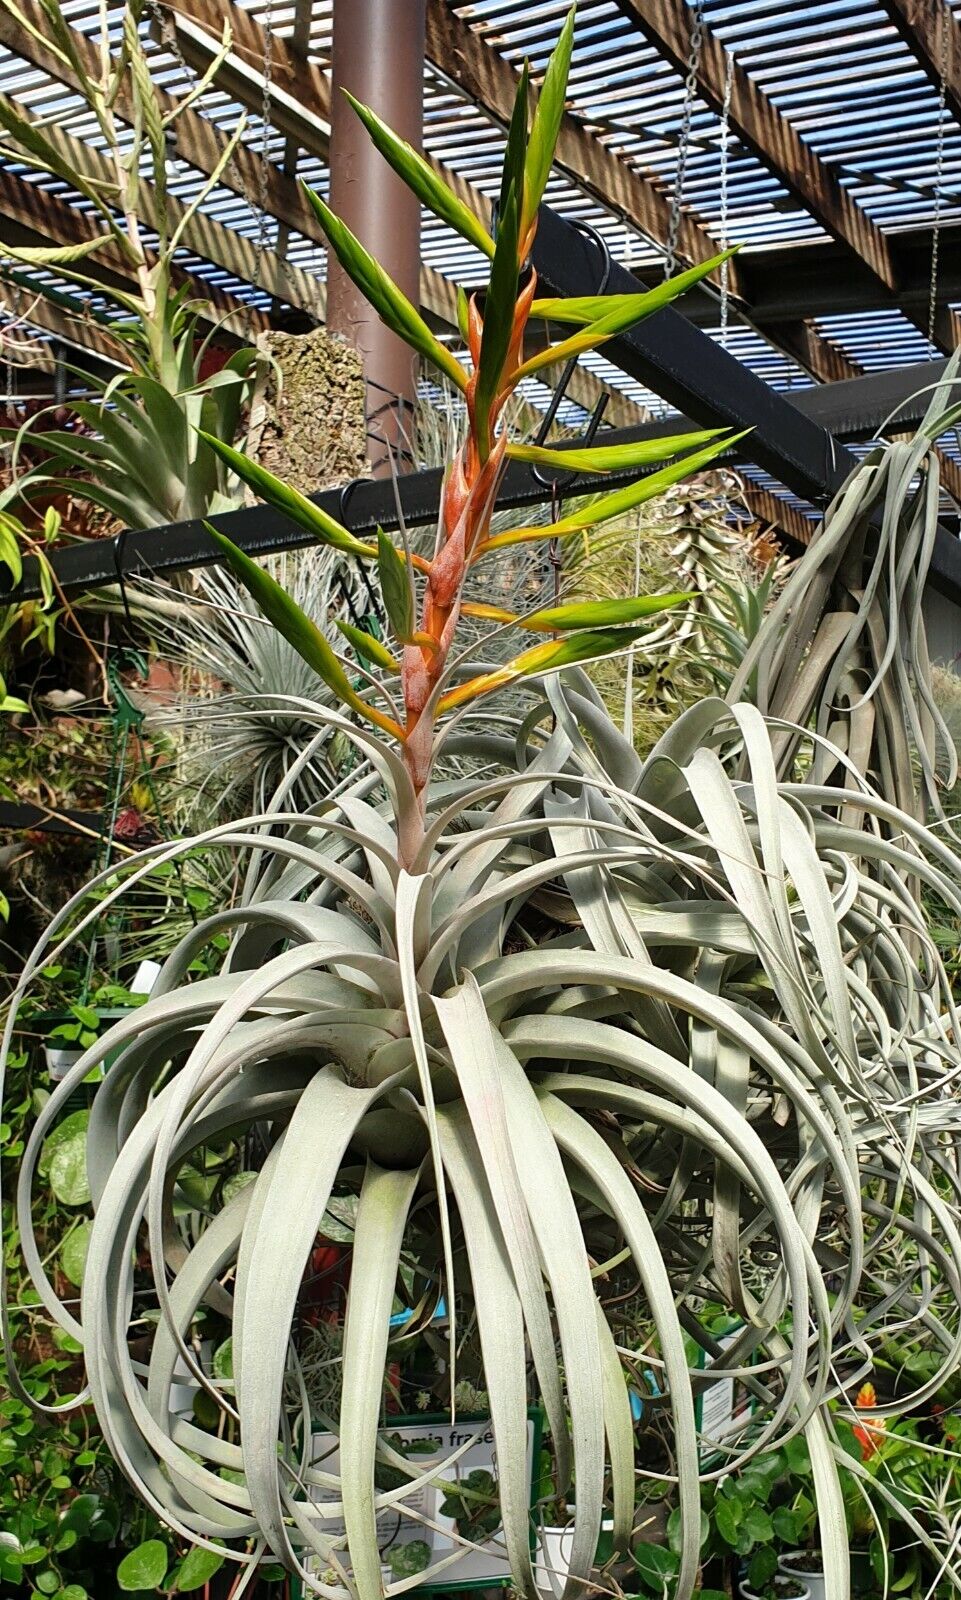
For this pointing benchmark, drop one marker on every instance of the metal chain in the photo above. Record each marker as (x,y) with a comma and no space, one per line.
(725,164)
(943,25)
(690,91)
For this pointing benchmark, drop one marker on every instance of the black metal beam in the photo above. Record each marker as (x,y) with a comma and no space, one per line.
(706,383)
(680,363)
(798,441)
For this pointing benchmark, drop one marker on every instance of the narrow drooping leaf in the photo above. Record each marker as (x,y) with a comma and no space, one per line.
(285,498)
(298,629)
(391,305)
(616,504)
(419,176)
(602,613)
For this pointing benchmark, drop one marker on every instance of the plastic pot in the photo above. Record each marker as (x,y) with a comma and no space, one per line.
(552,1560)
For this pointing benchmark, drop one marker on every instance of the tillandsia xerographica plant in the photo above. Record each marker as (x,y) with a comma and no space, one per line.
(552,1027)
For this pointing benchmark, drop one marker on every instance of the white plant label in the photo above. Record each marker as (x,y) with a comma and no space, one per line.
(421,1536)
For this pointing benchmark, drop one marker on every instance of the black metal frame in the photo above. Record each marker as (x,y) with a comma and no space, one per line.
(797,441)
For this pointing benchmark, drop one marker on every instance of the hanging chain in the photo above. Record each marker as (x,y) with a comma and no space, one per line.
(943,25)
(725,164)
(690,91)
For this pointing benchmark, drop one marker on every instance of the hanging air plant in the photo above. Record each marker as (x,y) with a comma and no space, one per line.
(572,1028)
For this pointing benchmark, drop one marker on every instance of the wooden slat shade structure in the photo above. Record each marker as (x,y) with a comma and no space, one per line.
(833,280)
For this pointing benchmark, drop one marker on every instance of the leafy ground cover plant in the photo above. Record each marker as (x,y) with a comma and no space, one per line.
(563,1023)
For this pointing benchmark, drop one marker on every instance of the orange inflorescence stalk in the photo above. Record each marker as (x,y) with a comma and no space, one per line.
(466,507)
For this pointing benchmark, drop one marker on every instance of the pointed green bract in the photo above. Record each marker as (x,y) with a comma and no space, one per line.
(371,649)
(612,457)
(498,313)
(547,122)
(601,613)
(391,305)
(421,178)
(617,313)
(614,505)
(547,657)
(395,586)
(285,498)
(516,151)
(463,324)
(287,617)
(590,308)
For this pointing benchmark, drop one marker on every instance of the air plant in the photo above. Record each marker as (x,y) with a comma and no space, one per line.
(570,1025)
(236,737)
(134,448)
(690,535)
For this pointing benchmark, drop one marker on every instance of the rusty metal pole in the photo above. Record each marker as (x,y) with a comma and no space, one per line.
(378,54)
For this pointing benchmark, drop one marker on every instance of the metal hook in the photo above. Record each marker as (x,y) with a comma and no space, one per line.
(346,491)
(555,484)
(118,545)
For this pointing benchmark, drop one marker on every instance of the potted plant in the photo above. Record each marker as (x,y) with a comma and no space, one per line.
(782,1586)
(532,1001)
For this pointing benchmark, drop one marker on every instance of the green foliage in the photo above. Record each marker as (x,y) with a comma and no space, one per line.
(144,1567)
(474,1505)
(420,177)
(379,288)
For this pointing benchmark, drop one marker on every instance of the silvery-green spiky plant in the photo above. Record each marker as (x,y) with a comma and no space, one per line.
(571,1015)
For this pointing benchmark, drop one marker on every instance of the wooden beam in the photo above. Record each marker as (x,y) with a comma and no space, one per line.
(79,328)
(825,361)
(463,57)
(932,31)
(41,218)
(307,87)
(759,125)
(480,72)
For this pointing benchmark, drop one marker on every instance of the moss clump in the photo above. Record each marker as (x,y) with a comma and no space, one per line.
(308,422)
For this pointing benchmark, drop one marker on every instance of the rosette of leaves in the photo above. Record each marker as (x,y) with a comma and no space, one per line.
(574,1015)
(137,452)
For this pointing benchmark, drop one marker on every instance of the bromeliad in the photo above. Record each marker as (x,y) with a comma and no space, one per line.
(425,599)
